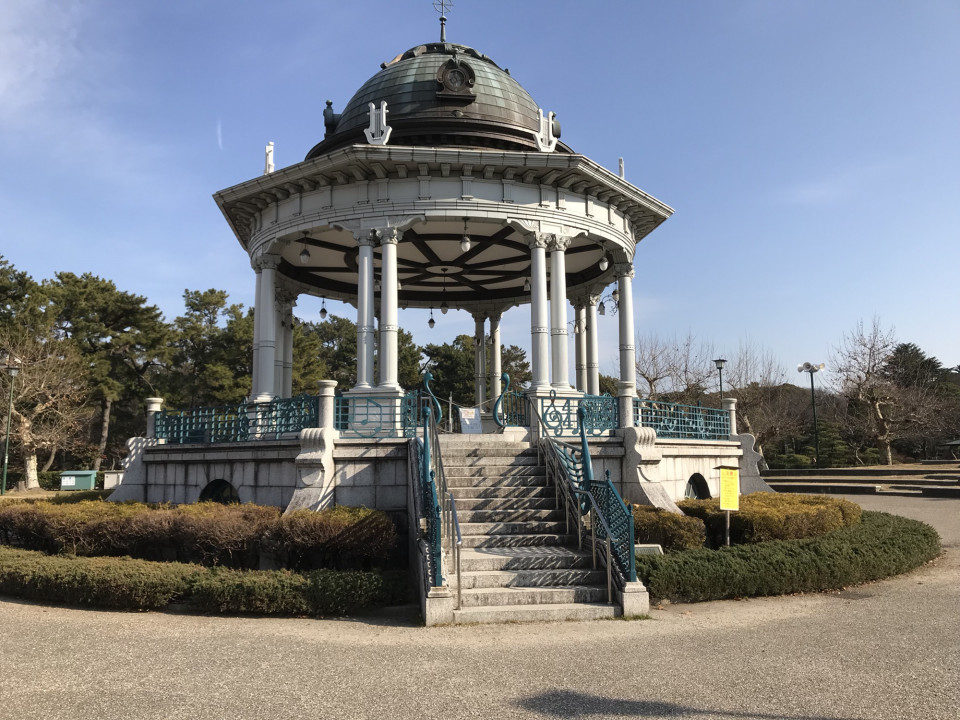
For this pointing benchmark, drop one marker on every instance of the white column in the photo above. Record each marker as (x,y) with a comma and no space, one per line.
(365,312)
(580,343)
(495,356)
(539,331)
(628,360)
(593,347)
(286,386)
(389,364)
(255,376)
(559,353)
(280,316)
(266,312)
(480,375)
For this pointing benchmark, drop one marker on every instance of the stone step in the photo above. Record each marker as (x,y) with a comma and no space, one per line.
(486,597)
(511,481)
(507,515)
(504,503)
(499,451)
(457,441)
(491,471)
(512,528)
(494,492)
(536,613)
(509,460)
(532,578)
(485,559)
(517,541)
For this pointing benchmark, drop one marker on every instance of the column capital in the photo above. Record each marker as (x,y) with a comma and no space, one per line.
(623,270)
(558,243)
(538,240)
(366,238)
(265,261)
(389,235)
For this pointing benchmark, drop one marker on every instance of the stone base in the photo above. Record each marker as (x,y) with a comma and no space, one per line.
(634,599)
(439,607)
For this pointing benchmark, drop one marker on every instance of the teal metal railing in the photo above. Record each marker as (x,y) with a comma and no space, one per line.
(238,423)
(510,409)
(380,416)
(431,504)
(559,414)
(687,422)
(570,470)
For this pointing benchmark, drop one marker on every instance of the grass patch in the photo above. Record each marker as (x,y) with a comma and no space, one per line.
(879,546)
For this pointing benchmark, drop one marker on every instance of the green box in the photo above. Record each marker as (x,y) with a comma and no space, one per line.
(78,479)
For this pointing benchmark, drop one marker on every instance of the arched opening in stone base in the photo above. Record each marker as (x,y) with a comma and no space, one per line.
(697,488)
(219,491)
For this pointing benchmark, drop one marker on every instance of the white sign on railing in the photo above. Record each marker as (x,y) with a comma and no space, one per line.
(470,421)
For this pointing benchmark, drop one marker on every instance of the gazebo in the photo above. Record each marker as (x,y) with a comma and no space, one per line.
(443,184)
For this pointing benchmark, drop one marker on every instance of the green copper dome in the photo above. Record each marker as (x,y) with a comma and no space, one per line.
(440,95)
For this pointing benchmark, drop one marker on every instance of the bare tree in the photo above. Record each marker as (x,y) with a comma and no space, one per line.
(49,397)
(767,405)
(679,368)
(859,363)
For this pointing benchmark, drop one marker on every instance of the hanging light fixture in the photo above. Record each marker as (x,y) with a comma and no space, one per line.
(323,309)
(465,240)
(601,308)
(615,295)
(443,305)
(304,253)
(604,263)
(431,322)
(526,284)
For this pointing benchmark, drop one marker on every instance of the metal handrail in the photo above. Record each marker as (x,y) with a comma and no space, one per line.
(558,465)
(456,547)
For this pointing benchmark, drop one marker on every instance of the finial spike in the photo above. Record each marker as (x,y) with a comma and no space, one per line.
(441,6)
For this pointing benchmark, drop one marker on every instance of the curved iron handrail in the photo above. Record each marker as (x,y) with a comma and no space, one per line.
(427,377)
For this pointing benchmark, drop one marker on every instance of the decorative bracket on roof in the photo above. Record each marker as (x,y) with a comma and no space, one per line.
(549,132)
(456,78)
(379,132)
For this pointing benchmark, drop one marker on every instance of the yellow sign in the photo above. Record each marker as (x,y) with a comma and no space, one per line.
(729,489)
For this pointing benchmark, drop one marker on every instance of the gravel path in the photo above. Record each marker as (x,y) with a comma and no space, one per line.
(884,650)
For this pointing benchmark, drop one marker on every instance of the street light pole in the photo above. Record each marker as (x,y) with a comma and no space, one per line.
(12,366)
(811,368)
(720,362)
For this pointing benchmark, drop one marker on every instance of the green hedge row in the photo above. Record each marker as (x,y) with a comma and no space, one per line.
(880,546)
(667,529)
(234,536)
(773,516)
(131,584)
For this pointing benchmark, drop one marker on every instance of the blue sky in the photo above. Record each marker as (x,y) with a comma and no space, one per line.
(810,148)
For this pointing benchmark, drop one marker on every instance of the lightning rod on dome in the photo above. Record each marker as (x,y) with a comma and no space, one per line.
(441,6)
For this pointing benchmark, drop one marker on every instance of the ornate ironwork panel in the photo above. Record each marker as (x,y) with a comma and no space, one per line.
(600,413)
(690,422)
(620,521)
(238,423)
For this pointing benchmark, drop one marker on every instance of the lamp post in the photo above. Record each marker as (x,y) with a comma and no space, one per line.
(12,366)
(720,362)
(811,368)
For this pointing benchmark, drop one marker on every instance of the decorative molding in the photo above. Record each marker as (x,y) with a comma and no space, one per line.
(623,270)
(379,132)
(549,132)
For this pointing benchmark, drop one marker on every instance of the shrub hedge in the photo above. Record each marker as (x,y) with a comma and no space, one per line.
(880,546)
(671,531)
(131,584)
(773,516)
(211,534)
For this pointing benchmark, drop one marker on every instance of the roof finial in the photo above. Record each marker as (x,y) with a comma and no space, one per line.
(441,6)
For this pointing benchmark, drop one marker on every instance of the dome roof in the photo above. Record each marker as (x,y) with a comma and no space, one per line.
(441,95)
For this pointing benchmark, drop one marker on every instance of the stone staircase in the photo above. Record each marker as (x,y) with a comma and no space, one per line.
(518,563)
(924,479)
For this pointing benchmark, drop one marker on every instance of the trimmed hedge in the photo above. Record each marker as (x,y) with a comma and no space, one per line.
(131,584)
(671,531)
(879,546)
(234,536)
(773,516)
